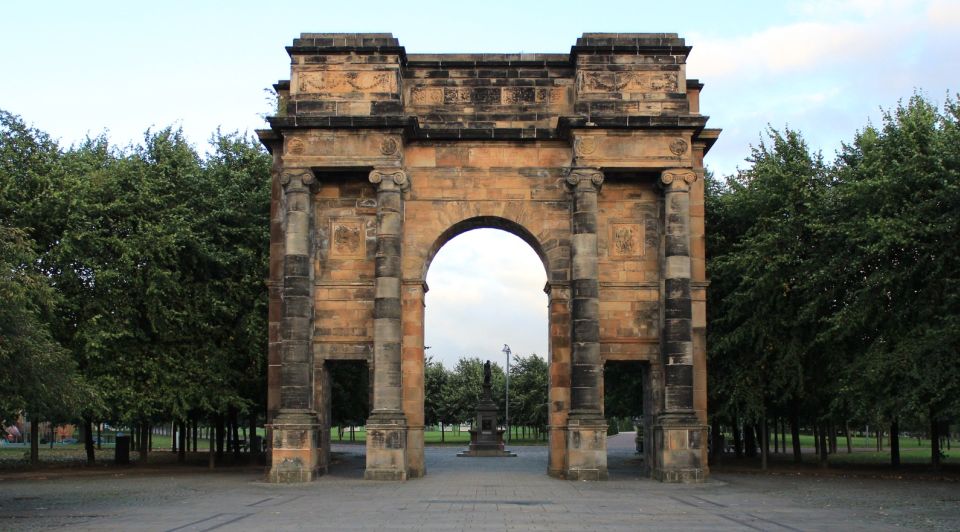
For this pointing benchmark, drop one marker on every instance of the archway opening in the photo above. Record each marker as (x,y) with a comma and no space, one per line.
(625,408)
(486,296)
(348,382)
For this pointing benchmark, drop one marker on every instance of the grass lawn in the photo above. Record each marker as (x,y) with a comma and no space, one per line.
(861,442)
(451,437)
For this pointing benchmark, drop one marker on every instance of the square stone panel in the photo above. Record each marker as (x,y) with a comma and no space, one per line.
(347,239)
(626,241)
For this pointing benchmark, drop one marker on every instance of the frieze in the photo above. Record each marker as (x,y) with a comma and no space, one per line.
(427,95)
(597,82)
(339,82)
(433,96)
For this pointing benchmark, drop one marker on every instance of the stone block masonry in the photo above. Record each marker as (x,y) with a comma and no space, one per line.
(594,158)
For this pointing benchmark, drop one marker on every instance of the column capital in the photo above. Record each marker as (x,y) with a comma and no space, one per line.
(297,178)
(677,179)
(584,176)
(389,178)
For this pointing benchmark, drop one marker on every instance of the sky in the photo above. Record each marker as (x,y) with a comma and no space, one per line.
(822,67)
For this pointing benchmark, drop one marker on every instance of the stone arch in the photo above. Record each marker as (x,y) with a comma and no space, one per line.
(526,151)
(485,222)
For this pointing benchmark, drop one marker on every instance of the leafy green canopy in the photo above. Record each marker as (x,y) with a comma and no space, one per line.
(834,288)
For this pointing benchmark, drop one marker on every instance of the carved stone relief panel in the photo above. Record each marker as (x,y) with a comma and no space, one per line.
(626,240)
(347,239)
(341,82)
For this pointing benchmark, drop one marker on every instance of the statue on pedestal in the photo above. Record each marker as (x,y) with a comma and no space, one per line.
(486,438)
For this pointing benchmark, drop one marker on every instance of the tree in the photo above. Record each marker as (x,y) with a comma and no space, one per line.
(529,386)
(436,407)
(466,384)
(895,211)
(765,310)
(37,375)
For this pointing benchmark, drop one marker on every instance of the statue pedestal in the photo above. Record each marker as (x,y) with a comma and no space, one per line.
(486,443)
(485,438)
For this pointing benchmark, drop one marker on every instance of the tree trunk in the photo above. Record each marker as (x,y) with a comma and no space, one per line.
(88,440)
(776,439)
(442,434)
(252,433)
(816,440)
(749,441)
(193,424)
(765,444)
(833,438)
(737,440)
(846,431)
(235,432)
(182,440)
(716,441)
(173,437)
(34,442)
(219,434)
(99,435)
(895,443)
(149,437)
(212,454)
(144,442)
(823,446)
(879,440)
(795,436)
(934,443)
(766,435)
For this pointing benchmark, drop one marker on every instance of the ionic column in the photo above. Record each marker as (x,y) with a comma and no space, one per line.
(296,323)
(386,428)
(294,430)
(585,290)
(387,398)
(677,324)
(678,435)
(586,427)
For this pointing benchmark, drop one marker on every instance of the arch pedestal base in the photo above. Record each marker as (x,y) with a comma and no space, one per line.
(678,452)
(295,457)
(386,447)
(586,449)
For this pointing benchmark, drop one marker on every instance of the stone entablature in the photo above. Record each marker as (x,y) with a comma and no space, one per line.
(594,158)
(638,83)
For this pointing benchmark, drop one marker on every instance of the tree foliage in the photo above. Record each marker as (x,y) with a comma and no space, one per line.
(144,268)
(834,288)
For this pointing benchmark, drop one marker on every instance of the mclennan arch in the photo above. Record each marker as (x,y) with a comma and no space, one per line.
(595,158)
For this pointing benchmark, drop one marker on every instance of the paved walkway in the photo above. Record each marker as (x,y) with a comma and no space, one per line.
(475,494)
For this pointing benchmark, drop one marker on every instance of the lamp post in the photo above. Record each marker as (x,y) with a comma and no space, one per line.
(506,349)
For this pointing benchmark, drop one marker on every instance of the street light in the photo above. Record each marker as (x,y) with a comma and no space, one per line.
(506,349)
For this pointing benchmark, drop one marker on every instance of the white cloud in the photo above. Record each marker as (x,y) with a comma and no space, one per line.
(486,289)
(852,34)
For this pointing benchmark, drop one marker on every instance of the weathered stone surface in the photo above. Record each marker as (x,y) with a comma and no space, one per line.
(593,158)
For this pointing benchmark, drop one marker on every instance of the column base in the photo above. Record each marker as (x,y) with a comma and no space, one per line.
(294,454)
(586,448)
(416,465)
(386,447)
(678,449)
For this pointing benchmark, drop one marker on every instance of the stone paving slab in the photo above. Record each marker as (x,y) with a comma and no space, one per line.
(475,494)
